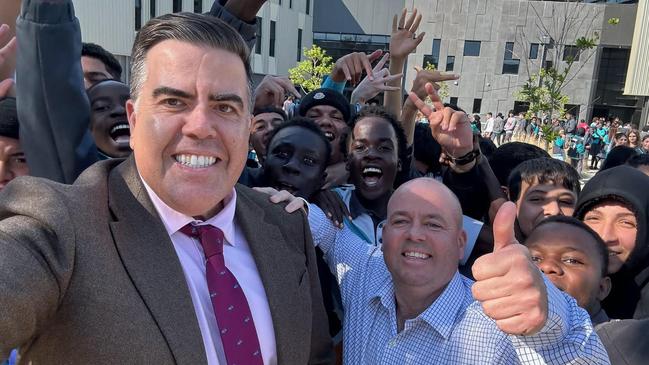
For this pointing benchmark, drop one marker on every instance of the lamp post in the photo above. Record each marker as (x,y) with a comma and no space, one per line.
(546,42)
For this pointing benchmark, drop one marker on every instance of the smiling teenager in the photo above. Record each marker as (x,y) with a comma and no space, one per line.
(108,122)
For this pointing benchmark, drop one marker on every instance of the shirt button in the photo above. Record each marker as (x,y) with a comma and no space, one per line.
(393,343)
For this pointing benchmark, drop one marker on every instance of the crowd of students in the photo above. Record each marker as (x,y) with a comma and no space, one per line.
(366,175)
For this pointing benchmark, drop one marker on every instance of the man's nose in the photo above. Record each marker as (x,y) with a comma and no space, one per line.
(552,208)
(291,166)
(198,123)
(550,267)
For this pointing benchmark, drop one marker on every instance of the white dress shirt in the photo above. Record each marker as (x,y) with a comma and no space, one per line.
(238,259)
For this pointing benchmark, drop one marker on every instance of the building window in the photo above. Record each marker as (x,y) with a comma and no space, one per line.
(477,105)
(534,51)
(433,58)
(299,45)
(571,53)
(152,8)
(510,64)
(271,48)
(279,2)
(472,48)
(198,6)
(258,35)
(177,6)
(450,63)
(138,14)
(308,7)
(290,4)
(453,100)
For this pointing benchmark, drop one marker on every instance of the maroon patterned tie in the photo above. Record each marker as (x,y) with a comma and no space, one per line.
(231,309)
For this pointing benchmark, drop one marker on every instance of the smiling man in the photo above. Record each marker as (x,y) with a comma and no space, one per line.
(407,303)
(108,122)
(159,258)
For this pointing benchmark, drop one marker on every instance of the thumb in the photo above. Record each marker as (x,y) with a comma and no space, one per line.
(503,227)
(375,55)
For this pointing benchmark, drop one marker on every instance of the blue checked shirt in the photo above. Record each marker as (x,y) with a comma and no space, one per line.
(453,330)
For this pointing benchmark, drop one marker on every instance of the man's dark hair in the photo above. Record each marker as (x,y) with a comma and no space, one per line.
(306,123)
(506,157)
(487,146)
(271,109)
(197,29)
(380,112)
(426,148)
(619,155)
(96,51)
(602,251)
(641,159)
(542,171)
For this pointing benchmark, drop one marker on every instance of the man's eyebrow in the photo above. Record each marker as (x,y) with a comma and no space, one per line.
(227,97)
(169,91)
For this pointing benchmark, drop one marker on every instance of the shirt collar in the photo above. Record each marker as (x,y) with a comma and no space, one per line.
(356,208)
(441,314)
(174,220)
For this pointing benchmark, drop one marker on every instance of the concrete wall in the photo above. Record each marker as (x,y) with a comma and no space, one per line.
(495,22)
(356,16)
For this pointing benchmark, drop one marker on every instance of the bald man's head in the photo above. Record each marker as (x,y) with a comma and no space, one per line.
(423,239)
(431,191)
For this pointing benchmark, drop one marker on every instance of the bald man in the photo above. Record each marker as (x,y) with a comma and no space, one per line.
(408,303)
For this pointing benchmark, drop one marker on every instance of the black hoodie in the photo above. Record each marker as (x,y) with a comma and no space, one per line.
(629,297)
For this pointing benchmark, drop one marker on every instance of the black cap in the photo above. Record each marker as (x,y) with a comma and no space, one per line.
(325,97)
(8,118)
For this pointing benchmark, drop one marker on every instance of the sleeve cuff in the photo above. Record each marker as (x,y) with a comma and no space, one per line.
(328,83)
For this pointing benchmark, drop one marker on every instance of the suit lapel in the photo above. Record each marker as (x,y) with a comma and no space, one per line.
(270,250)
(151,261)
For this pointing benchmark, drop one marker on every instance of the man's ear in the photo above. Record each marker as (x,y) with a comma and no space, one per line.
(132,117)
(604,288)
(399,165)
(506,191)
(461,242)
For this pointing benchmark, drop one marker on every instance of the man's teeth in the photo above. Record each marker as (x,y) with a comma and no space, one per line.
(329,135)
(374,170)
(417,255)
(119,127)
(195,161)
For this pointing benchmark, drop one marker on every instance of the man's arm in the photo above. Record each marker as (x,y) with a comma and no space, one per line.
(240,15)
(36,261)
(53,108)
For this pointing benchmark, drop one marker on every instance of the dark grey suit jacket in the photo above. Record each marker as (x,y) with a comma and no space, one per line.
(88,275)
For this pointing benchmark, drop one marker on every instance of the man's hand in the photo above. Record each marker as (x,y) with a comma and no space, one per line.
(350,67)
(404,39)
(272,91)
(368,89)
(434,77)
(245,10)
(276,197)
(450,128)
(7,52)
(508,284)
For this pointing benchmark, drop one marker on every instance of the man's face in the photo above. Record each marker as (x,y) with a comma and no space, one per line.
(296,161)
(539,201)
(12,161)
(190,125)
(373,158)
(423,240)
(618,227)
(108,122)
(569,257)
(93,71)
(623,141)
(332,123)
(262,125)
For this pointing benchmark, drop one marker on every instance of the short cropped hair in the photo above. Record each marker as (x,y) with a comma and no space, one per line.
(271,109)
(306,123)
(641,159)
(506,157)
(98,52)
(602,251)
(197,29)
(541,171)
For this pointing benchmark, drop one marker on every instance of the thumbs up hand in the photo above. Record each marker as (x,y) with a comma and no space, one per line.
(508,284)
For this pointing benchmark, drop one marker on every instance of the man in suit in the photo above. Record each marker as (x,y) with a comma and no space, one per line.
(109,270)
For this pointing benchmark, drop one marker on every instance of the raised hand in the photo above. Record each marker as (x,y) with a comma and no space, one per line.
(272,90)
(367,89)
(350,67)
(508,284)
(404,39)
(450,128)
(6,52)
(434,77)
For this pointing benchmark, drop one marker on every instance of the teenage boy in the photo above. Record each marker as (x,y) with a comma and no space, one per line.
(575,259)
(265,120)
(541,188)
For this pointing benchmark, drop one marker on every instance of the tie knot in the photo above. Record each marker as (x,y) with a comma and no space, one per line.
(210,237)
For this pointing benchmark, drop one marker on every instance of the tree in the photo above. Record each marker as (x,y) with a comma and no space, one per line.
(309,73)
(569,36)
(443,86)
